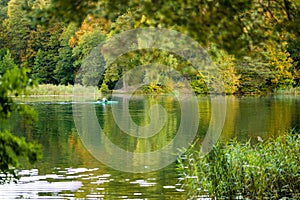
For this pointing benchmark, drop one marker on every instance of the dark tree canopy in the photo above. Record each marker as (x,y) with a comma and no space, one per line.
(238,26)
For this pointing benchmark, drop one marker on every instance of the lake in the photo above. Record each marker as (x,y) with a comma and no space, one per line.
(69,170)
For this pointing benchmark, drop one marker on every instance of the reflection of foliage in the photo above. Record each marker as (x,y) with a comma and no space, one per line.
(140,116)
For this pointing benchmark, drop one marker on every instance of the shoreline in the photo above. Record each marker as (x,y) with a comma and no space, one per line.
(49,90)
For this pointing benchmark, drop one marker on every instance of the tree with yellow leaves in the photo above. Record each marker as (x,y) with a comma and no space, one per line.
(281,65)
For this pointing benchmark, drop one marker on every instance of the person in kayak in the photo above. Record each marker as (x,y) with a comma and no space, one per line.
(104,100)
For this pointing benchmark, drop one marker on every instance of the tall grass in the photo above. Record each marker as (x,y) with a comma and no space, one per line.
(234,170)
(49,89)
(295,91)
(52,90)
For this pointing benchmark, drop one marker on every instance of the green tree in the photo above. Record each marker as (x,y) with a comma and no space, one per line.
(12,148)
(86,44)
(122,65)
(281,64)
(3,30)
(293,48)
(38,39)
(64,71)
(226,70)
(47,57)
(199,85)
(237,28)
(18,29)
(119,67)
(6,63)
(40,67)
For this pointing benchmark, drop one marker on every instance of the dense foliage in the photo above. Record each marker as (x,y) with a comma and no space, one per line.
(253,43)
(268,169)
(13,82)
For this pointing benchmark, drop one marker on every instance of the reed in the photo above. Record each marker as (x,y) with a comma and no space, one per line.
(53,90)
(290,91)
(235,170)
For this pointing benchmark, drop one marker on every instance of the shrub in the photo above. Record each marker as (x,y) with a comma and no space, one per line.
(155,89)
(104,88)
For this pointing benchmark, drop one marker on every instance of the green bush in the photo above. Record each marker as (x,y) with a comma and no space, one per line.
(104,88)
(155,89)
(199,86)
(269,169)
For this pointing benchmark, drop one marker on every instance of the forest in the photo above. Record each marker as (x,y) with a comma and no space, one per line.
(254,44)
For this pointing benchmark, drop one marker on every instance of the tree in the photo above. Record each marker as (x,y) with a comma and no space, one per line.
(281,64)
(38,39)
(122,65)
(227,74)
(6,63)
(47,56)
(40,67)
(86,44)
(14,82)
(18,27)
(64,71)
(293,48)
(3,17)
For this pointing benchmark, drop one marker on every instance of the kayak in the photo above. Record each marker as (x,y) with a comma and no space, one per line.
(106,102)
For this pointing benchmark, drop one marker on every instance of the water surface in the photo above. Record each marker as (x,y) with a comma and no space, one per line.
(69,171)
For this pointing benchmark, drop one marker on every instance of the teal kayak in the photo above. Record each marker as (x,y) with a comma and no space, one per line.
(106,102)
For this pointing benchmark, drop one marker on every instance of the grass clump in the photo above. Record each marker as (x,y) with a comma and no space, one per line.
(234,170)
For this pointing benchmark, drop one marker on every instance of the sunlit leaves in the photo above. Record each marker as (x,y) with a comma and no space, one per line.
(281,64)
